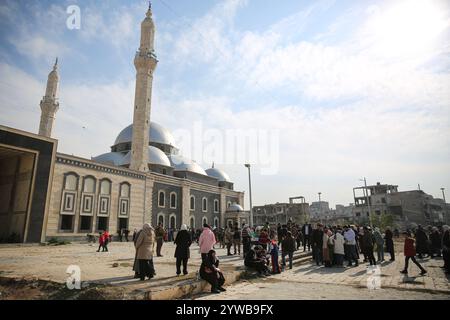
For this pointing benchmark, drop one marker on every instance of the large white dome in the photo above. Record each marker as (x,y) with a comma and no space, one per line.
(155,157)
(218,174)
(181,163)
(235,208)
(157,133)
(111,158)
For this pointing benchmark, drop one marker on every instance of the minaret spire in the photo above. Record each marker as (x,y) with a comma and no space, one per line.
(49,103)
(145,62)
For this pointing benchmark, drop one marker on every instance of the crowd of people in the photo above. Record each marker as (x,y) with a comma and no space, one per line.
(269,250)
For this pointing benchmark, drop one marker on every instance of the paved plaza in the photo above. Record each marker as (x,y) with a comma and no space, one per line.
(304,281)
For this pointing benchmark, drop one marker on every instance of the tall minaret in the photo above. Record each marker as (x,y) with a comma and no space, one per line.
(49,104)
(145,62)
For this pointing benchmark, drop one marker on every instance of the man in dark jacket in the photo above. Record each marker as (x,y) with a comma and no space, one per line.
(287,248)
(368,241)
(159,233)
(307,231)
(282,234)
(317,243)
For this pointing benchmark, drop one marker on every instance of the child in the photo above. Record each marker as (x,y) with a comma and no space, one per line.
(410,253)
(101,241)
(274,251)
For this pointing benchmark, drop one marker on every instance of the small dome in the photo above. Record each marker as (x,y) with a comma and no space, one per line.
(155,157)
(235,208)
(157,133)
(183,164)
(218,174)
(111,158)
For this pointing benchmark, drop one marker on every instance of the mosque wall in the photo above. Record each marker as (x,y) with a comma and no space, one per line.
(88,197)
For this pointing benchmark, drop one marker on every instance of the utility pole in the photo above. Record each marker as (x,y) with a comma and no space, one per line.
(320,207)
(250,194)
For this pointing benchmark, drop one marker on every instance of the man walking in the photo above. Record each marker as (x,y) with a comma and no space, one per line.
(288,248)
(410,253)
(159,233)
(306,230)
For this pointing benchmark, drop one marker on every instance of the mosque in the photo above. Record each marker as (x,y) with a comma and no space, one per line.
(46,194)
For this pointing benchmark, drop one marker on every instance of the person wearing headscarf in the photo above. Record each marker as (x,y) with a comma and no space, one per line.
(206,241)
(209,271)
(144,252)
(182,253)
(389,238)
(380,244)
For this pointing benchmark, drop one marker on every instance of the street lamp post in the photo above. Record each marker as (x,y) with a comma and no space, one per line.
(250,194)
(366,193)
(320,207)
(443,194)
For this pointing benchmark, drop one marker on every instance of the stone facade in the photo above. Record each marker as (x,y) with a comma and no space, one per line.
(144,200)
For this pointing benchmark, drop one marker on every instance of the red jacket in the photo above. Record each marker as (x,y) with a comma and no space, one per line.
(410,249)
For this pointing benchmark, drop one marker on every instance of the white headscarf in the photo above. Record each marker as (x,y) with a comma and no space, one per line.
(184,227)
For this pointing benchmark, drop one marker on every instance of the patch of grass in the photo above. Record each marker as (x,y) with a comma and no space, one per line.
(56,242)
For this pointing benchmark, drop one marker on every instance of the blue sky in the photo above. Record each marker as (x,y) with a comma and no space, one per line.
(350,88)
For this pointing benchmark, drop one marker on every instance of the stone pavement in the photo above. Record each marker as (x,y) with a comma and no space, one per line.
(309,281)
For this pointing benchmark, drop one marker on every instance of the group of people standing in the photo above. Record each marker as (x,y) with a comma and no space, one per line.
(263,246)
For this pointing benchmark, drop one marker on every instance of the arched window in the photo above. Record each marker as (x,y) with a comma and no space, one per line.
(124,199)
(161,219)
(192,222)
(172,221)
(89,184)
(105,187)
(173,200)
(216,205)
(125,190)
(192,206)
(71,182)
(161,199)
(216,222)
(88,196)
(204,221)
(228,204)
(68,202)
(204,204)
